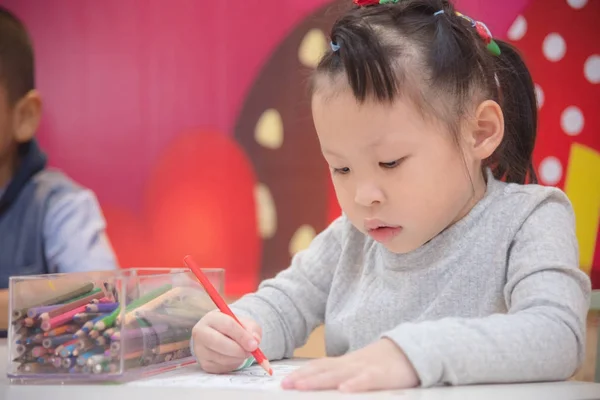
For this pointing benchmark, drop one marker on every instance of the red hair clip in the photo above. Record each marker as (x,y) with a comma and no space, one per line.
(483,32)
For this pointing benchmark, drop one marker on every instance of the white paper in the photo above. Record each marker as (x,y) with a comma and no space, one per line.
(249,378)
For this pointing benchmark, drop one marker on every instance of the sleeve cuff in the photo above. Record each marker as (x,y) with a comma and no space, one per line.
(418,354)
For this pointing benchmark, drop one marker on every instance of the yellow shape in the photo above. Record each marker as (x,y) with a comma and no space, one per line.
(302,238)
(269,129)
(265,211)
(312,48)
(582,185)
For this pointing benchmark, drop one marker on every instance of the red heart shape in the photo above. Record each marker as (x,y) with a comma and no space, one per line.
(199,200)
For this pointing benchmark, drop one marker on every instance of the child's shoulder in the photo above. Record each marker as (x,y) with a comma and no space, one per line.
(55,183)
(533,194)
(522,202)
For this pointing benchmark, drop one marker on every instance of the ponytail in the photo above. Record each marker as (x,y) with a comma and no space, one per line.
(513,158)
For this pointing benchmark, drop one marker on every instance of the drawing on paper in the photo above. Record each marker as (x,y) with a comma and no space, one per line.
(250,378)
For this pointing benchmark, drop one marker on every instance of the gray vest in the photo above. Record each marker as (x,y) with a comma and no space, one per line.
(22,225)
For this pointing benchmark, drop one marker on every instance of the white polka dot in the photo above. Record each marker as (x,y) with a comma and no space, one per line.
(577,4)
(550,170)
(539,95)
(554,47)
(591,69)
(572,121)
(518,29)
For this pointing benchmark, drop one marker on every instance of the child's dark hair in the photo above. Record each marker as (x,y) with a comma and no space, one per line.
(388,50)
(16,57)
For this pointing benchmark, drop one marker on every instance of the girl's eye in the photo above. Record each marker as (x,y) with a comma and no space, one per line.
(390,165)
(342,171)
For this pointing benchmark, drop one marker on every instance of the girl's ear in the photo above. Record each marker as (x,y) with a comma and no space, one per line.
(486,131)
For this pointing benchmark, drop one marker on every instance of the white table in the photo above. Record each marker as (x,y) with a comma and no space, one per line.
(544,391)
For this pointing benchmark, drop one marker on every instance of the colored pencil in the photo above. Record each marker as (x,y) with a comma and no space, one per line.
(61,319)
(39,351)
(168,348)
(68,350)
(72,305)
(37,311)
(82,318)
(56,340)
(101,307)
(111,318)
(62,297)
(140,332)
(45,359)
(88,326)
(83,358)
(69,362)
(109,332)
(95,359)
(38,338)
(80,350)
(160,300)
(143,300)
(61,330)
(36,368)
(62,346)
(224,308)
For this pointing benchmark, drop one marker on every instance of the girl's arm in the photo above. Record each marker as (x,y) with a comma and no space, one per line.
(542,337)
(291,305)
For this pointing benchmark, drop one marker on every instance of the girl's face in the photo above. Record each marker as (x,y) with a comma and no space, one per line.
(399,178)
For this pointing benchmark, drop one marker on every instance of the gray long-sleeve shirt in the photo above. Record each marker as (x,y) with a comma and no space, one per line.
(497,297)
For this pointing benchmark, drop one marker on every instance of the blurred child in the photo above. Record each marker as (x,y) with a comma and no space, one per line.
(48,223)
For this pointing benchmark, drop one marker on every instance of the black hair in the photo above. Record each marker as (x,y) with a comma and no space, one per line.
(16,57)
(385,49)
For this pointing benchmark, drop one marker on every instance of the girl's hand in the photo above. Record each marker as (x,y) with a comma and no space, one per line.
(221,345)
(379,366)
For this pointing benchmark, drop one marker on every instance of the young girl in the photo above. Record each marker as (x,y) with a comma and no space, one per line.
(449,265)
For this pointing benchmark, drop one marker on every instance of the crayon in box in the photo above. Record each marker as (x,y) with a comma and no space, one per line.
(104,326)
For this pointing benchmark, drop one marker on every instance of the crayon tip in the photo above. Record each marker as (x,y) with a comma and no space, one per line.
(267,367)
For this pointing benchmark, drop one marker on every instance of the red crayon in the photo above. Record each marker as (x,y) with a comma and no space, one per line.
(223,307)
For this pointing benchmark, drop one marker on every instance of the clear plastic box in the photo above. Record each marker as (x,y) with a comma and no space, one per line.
(107,326)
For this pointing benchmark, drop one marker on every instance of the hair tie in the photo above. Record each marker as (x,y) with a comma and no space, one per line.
(435,14)
(334,46)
